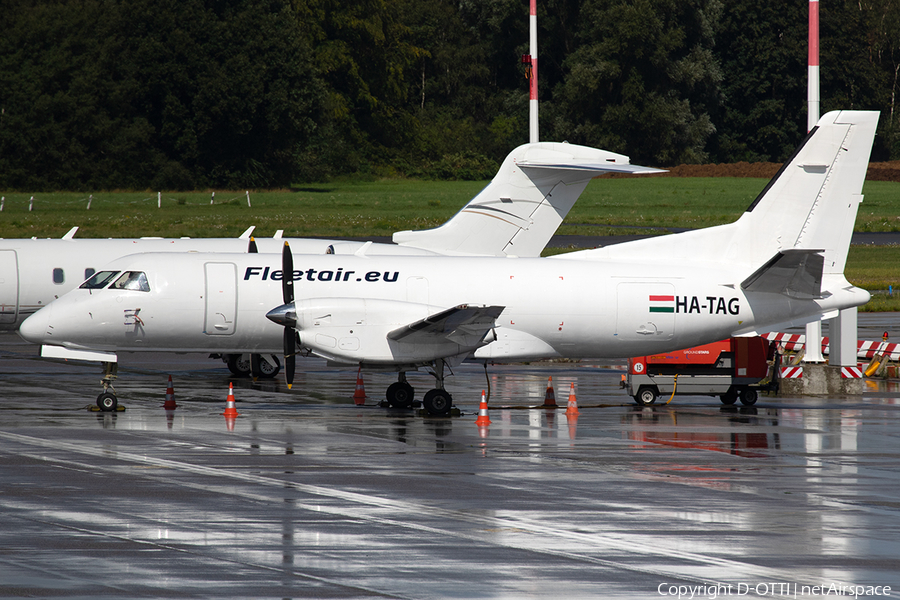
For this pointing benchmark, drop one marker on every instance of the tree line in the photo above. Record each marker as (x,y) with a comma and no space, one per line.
(180,94)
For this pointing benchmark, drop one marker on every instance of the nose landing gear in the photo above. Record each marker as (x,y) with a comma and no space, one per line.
(107,401)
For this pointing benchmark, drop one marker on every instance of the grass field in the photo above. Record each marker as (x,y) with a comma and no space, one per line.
(379,208)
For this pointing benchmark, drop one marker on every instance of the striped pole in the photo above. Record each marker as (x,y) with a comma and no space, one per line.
(812,93)
(533,82)
(814,329)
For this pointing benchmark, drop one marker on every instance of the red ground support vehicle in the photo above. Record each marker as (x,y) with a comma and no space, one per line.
(726,369)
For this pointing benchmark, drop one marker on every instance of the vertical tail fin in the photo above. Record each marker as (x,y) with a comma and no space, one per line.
(809,207)
(812,202)
(519,211)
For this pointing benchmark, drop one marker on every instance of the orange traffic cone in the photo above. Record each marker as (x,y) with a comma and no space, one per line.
(572,408)
(169,404)
(230,408)
(483,419)
(359,396)
(550,395)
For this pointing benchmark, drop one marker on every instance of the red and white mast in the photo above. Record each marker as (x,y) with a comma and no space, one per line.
(533,80)
(812,93)
(813,330)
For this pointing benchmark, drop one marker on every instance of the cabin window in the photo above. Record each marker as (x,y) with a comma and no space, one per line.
(59,276)
(132,280)
(99,280)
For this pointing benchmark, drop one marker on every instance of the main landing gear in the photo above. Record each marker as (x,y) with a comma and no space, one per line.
(436,402)
(265,366)
(400,394)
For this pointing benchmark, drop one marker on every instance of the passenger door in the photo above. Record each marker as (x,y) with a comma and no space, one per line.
(221,298)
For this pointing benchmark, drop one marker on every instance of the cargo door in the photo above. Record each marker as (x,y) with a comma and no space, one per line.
(9,286)
(645,312)
(221,298)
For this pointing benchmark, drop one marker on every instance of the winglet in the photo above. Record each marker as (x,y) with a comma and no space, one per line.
(246,234)
(70,234)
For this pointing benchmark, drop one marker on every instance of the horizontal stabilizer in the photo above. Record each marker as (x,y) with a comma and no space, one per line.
(463,325)
(596,168)
(795,273)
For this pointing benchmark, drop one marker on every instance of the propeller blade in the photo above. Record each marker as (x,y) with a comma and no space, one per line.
(290,356)
(251,248)
(287,274)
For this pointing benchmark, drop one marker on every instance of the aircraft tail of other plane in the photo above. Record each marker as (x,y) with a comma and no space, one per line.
(798,229)
(522,207)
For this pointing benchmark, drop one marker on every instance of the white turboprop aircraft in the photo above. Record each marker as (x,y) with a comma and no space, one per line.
(781,262)
(516,213)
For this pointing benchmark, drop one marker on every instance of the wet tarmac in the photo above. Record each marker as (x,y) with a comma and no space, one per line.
(305,495)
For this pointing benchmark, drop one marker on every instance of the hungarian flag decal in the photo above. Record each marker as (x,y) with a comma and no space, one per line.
(662,304)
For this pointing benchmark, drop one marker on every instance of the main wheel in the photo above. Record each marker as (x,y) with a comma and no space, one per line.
(239,364)
(646,395)
(269,366)
(437,402)
(107,402)
(400,394)
(749,396)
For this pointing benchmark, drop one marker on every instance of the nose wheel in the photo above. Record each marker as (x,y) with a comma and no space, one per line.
(107,402)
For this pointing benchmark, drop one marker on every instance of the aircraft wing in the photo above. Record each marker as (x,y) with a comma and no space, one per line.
(796,273)
(463,325)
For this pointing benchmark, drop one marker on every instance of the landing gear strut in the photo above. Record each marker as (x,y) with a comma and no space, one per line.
(107,400)
(437,402)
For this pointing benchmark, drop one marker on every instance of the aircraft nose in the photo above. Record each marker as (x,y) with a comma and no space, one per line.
(36,328)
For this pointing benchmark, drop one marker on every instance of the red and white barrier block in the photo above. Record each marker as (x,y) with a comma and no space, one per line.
(864,348)
(791,372)
(851,373)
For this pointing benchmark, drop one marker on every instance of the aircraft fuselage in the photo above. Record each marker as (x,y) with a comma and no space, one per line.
(346,305)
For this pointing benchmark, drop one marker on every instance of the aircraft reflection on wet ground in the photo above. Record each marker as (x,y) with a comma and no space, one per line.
(305,494)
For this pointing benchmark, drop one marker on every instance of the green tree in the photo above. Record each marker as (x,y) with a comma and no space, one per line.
(642,79)
(763,49)
(171,93)
(883,28)
(363,52)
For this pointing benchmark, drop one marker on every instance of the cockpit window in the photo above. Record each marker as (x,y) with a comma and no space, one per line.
(99,280)
(132,280)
